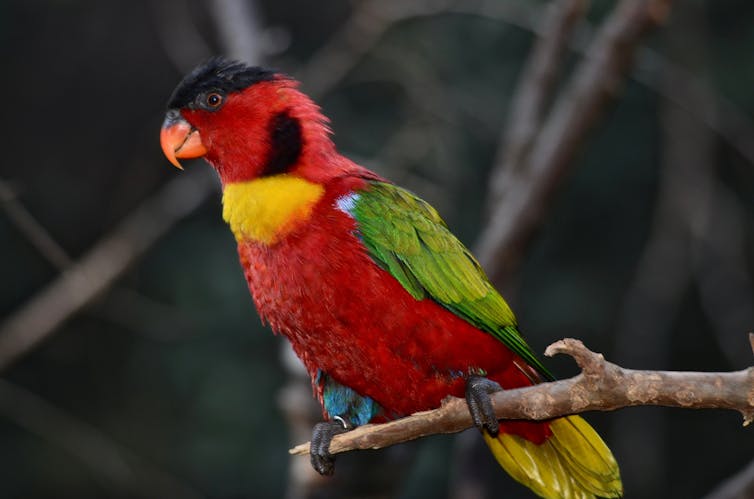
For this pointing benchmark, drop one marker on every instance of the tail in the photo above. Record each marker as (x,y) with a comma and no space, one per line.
(572,463)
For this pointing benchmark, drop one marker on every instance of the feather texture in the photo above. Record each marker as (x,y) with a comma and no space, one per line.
(388,311)
(574,463)
(407,237)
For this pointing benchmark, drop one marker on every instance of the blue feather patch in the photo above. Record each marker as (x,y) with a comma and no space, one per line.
(343,401)
(347,203)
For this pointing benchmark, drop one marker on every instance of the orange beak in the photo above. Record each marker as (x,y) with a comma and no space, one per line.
(180,140)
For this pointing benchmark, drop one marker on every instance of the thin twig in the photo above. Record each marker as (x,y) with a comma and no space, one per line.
(332,62)
(373,18)
(688,91)
(739,486)
(180,40)
(719,266)
(519,15)
(96,271)
(602,386)
(34,232)
(240,28)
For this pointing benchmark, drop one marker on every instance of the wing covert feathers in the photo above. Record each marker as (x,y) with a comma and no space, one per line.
(407,238)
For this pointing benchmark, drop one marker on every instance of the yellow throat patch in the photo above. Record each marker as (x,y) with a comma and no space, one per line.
(265,209)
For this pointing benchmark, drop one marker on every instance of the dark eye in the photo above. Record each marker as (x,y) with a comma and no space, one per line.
(213,100)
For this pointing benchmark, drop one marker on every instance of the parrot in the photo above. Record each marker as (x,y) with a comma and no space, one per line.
(388,311)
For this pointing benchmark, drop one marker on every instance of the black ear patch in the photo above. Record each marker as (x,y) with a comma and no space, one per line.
(217,74)
(286,143)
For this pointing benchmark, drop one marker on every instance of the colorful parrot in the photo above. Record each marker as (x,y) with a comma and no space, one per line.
(388,311)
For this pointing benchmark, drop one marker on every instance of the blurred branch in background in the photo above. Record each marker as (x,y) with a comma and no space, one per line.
(181,42)
(719,269)
(118,470)
(653,299)
(107,260)
(534,90)
(81,282)
(610,53)
(329,59)
(698,99)
(240,29)
(538,148)
(373,18)
(526,189)
(687,233)
(738,131)
(602,386)
(99,268)
(739,486)
(121,305)
(717,255)
(33,231)
(358,35)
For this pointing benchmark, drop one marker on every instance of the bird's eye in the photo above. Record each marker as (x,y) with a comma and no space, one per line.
(213,100)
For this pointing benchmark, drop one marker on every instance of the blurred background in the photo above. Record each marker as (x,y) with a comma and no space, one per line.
(133,362)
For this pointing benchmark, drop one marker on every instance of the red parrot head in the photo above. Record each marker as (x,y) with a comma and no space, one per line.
(246,121)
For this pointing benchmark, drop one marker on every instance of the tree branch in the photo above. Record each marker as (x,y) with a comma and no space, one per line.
(35,233)
(732,125)
(739,486)
(240,29)
(601,386)
(534,89)
(98,269)
(526,191)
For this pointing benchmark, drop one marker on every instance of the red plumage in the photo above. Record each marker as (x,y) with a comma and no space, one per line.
(346,316)
(343,314)
(377,298)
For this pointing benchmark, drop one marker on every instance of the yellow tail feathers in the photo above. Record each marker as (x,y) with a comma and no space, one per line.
(573,463)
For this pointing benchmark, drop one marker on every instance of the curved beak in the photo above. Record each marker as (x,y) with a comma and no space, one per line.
(179,139)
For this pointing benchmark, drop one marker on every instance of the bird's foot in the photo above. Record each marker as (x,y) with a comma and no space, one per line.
(319,451)
(478,391)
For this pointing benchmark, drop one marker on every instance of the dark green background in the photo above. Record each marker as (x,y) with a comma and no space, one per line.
(173,365)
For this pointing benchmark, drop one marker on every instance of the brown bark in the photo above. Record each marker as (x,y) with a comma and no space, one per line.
(601,386)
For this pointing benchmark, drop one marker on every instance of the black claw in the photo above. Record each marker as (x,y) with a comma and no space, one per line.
(478,390)
(319,451)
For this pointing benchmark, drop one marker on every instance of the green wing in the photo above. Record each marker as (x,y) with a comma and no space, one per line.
(407,237)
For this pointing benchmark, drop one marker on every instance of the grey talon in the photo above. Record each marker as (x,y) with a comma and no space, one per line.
(319,451)
(478,391)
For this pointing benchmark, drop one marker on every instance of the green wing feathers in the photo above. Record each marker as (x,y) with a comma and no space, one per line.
(407,237)
(574,463)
